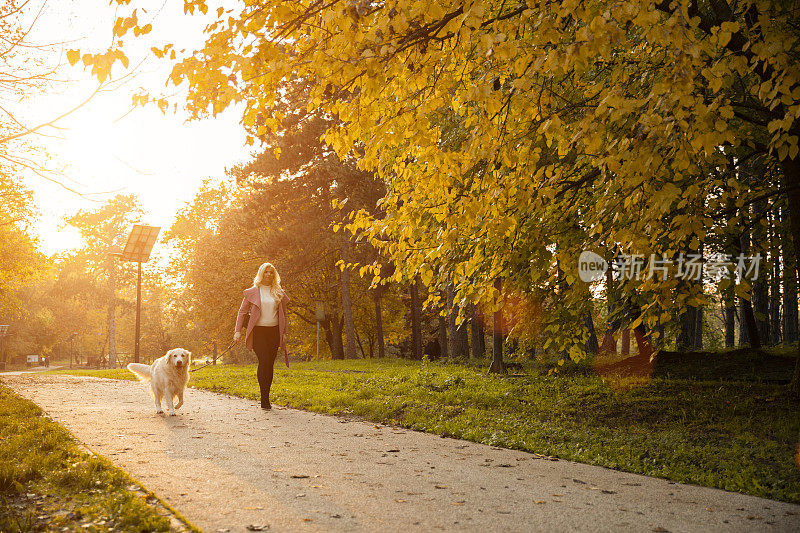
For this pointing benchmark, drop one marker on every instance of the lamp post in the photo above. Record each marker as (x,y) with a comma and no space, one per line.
(140,244)
(72,347)
(3,331)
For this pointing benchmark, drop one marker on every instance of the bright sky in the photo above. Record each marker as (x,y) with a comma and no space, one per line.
(160,158)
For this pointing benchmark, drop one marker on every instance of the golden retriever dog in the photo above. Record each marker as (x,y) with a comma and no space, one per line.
(167,375)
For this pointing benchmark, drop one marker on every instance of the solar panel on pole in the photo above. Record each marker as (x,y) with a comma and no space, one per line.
(140,244)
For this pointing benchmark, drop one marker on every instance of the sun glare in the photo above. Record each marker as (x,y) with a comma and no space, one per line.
(92,146)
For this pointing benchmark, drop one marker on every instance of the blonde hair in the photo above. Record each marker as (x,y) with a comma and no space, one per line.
(275,288)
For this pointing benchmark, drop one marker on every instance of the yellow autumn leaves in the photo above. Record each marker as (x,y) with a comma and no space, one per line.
(507,129)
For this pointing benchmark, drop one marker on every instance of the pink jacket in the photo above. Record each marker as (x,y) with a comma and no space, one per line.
(251,303)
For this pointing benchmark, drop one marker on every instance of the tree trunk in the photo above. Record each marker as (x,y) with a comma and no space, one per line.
(686,340)
(347,308)
(643,344)
(443,335)
(774,283)
(112,311)
(749,333)
(379,327)
(749,328)
(758,294)
(416,320)
(791,182)
(458,336)
(625,349)
(326,331)
(690,336)
(336,331)
(744,333)
(790,314)
(478,342)
(462,334)
(729,306)
(789,322)
(497,365)
(760,299)
(609,345)
(698,330)
(452,314)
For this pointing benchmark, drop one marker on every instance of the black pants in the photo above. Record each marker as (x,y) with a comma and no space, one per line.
(266,340)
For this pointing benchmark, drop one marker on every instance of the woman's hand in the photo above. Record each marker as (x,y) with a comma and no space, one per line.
(236,336)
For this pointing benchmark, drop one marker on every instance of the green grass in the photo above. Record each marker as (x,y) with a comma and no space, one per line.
(735,434)
(47,482)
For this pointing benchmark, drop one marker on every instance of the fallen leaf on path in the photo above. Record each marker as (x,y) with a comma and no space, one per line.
(300,476)
(255,527)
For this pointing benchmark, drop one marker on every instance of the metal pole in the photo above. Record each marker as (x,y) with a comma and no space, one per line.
(3,333)
(318,341)
(138,310)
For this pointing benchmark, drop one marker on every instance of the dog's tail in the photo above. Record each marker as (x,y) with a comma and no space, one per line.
(141,371)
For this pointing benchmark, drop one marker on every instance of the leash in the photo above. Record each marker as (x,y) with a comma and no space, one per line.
(226,350)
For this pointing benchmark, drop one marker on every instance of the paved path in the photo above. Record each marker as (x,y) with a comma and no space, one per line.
(226,465)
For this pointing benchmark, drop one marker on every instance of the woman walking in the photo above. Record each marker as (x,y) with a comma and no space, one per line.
(266,303)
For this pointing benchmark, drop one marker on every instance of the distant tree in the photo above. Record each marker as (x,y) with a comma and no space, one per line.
(104,231)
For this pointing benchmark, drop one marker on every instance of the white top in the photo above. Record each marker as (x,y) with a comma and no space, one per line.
(269,308)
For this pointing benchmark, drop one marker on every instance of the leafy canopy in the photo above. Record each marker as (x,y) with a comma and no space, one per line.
(513,135)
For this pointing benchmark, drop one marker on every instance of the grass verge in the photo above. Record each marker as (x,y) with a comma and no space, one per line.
(733,434)
(48,482)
